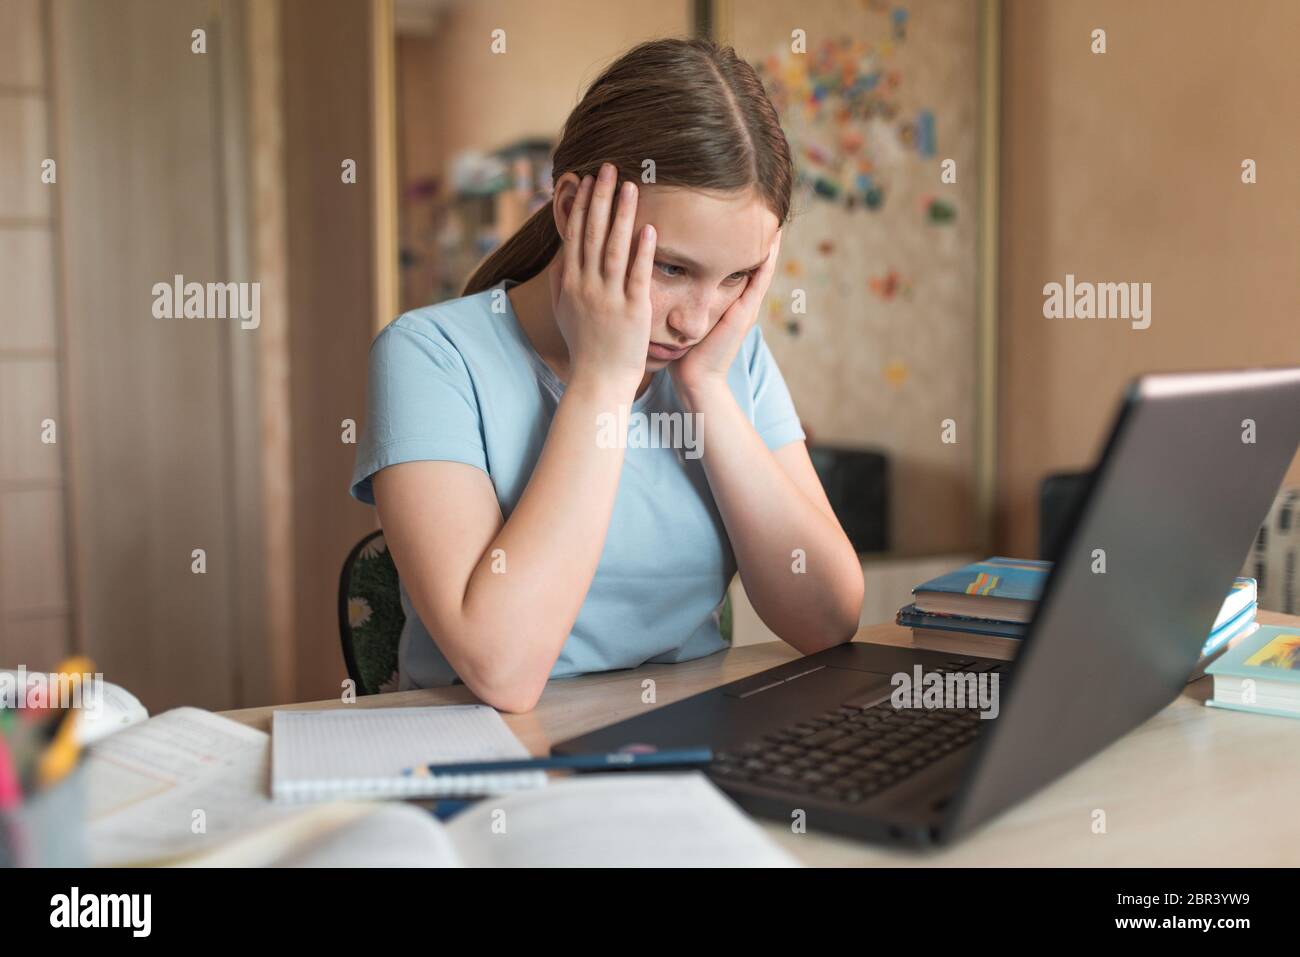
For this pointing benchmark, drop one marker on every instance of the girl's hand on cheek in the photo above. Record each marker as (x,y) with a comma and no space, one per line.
(709,360)
(601,306)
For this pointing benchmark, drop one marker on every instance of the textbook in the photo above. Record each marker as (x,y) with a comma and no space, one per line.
(618,819)
(146,784)
(1006,591)
(998,588)
(1260,673)
(955,632)
(909,617)
(1225,629)
(1243,596)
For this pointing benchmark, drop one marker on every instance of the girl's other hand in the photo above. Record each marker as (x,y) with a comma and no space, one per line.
(710,358)
(601,307)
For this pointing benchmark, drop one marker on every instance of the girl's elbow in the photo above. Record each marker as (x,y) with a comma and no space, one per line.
(843,623)
(853,611)
(510,697)
(515,705)
(506,688)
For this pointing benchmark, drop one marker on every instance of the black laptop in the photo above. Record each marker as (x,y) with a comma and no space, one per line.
(1188,473)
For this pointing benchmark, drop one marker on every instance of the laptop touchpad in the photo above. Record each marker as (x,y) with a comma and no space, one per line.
(879,689)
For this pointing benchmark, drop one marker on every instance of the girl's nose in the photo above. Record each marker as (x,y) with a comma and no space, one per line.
(689,321)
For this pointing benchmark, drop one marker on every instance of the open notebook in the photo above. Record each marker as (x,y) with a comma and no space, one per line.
(190,787)
(175,785)
(355,754)
(622,819)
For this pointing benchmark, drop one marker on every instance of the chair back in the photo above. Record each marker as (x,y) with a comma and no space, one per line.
(370,615)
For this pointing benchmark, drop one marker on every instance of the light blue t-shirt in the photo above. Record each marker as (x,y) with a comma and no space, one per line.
(459,382)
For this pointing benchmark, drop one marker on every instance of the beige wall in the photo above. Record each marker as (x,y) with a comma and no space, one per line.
(149,424)
(327,118)
(1126,166)
(484,100)
(867,371)
(184,434)
(454,94)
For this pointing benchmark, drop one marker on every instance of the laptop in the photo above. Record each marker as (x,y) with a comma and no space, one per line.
(1188,472)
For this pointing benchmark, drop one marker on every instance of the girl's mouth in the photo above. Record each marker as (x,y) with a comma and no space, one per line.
(665,353)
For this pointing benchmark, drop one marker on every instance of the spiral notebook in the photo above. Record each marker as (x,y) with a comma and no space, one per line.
(361,753)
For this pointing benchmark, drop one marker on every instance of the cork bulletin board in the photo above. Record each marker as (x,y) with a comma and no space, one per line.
(881,103)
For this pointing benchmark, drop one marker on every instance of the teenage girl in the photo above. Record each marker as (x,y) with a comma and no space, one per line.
(530,546)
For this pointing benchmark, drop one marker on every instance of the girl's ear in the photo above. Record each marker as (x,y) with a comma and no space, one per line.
(562,197)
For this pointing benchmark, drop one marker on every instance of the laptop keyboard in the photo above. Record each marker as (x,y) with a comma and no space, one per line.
(849,753)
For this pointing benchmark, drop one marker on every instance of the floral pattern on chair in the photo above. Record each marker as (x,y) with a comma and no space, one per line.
(370,615)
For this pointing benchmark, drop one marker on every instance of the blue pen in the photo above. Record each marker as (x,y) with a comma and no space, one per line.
(445,810)
(616,761)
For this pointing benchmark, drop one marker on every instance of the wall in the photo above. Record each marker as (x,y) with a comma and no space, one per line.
(1126,166)
(482,100)
(454,94)
(327,119)
(149,424)
(184,434)
(886,351)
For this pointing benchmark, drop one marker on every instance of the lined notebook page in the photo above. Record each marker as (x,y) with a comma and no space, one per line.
(326,755)
(619,819)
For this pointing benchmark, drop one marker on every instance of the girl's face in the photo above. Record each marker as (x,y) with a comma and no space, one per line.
(709,244)
(708,247)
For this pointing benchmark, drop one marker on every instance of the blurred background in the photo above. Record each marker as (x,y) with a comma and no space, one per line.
(173,492)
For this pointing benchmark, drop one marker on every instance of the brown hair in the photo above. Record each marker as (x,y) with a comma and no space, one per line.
(696,109)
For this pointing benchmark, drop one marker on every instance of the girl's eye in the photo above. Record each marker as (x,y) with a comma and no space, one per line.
(734,279)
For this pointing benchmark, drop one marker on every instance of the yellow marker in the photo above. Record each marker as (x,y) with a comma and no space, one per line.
(61,754)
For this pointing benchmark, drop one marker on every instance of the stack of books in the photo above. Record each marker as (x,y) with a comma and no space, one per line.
(997,598)
(1260,673)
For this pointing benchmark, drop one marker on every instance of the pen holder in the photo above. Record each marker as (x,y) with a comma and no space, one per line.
(49,828)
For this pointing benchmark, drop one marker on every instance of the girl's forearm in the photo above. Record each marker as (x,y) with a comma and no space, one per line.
(798,567)
(527,589)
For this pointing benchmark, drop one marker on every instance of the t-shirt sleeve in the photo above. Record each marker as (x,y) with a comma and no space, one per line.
(420,406)
(775,418)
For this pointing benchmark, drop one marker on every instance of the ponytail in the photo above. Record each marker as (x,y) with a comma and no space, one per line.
(522,256)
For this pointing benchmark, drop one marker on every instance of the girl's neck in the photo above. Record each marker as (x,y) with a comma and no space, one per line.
(531,301)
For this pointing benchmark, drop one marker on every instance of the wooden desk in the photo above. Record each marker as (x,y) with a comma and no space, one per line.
(1191,786)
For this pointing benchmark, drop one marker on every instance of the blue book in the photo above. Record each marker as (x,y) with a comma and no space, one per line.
(1261,673)
(1223,633)
(1244,594)
(1221,640)
(998,588)
(909,617)
(1006,590)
